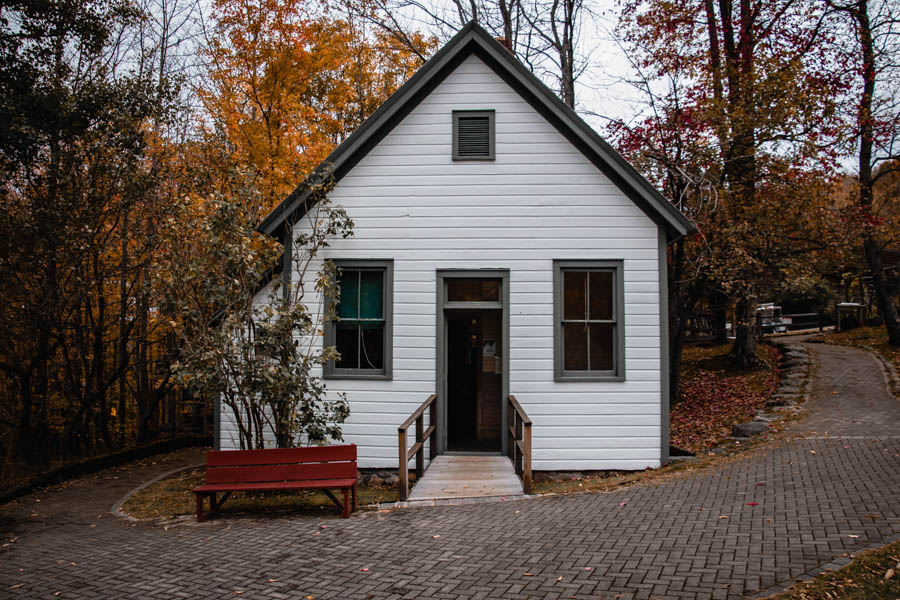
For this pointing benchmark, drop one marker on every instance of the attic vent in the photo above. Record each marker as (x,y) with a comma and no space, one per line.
(473,135)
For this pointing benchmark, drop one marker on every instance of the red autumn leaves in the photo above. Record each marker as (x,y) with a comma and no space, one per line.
(714,399)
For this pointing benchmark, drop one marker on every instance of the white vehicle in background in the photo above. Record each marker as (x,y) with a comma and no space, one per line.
(769,319)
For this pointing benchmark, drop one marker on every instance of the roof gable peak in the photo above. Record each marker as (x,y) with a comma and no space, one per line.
(474,39)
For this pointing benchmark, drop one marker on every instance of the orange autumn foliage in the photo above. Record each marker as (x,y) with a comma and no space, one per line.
(286,85)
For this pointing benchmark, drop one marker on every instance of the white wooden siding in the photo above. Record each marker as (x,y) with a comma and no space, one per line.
(540,200)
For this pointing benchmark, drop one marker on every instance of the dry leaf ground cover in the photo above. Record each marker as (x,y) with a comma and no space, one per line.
(172,497)
(873,575)
(716,395)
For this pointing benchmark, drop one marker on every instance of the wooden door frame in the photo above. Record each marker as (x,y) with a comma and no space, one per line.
(441,306)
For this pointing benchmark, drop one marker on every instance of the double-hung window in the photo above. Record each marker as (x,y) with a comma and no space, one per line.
(361,331)
(589,329)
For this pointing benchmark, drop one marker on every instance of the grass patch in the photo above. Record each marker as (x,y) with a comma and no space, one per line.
(173,496)
(717,394)
(873,575)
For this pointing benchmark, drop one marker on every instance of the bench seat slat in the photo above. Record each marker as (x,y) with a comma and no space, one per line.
(275,485)
(275,456)
(295,472)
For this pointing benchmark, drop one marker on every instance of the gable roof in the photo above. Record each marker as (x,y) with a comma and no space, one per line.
(473,39)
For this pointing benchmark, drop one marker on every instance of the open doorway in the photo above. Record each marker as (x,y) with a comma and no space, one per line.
(474,380)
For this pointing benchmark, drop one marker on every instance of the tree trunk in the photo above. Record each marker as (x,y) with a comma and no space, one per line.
(25,416)
(866,194)
(719,309)
(744,349)
(122,351)
(677,317)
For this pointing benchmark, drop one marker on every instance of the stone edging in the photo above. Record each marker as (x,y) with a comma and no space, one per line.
(794,388)
(835,565)
(117,507)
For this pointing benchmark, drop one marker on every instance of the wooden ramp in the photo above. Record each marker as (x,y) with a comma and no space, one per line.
(467,476)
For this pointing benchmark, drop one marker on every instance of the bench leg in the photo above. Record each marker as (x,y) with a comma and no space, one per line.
(200,516)
(346,512)
(214,510)
(355,498)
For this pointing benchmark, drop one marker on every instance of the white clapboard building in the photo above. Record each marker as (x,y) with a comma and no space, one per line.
(500,248)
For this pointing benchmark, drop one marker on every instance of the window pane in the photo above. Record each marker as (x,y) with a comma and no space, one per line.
(575,357)
(372,354)
(473,290)
(371,296)
(346,341)
(602,339)
(349,298)
(573,295)
(601,289)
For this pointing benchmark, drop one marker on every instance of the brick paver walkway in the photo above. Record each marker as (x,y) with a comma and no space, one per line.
(691,535)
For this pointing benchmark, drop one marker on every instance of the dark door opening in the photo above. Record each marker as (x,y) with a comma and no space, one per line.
(474,380)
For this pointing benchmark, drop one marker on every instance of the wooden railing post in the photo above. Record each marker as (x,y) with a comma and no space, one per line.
(520,453)
(432,439)
(404,466)
(520,442)
(526,464)
(420,454)
(510,438)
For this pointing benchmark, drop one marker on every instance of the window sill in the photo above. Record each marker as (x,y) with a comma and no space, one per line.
(361,376)
(609,378)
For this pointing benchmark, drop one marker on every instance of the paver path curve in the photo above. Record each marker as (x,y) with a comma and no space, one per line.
(815,497)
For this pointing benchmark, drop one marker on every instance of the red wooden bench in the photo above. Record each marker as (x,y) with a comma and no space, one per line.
(314,467)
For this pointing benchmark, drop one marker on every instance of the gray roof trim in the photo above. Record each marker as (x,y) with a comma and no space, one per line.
(473,39)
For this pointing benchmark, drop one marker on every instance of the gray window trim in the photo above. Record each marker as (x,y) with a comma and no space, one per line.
(491,115)
(330,370)
(618,373)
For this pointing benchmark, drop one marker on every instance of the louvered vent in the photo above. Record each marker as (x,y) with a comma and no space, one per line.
(474,137)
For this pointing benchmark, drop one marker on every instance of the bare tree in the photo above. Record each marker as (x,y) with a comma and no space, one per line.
(543,34)
(554,28)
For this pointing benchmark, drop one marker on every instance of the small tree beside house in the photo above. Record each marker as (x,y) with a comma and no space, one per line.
(261,360)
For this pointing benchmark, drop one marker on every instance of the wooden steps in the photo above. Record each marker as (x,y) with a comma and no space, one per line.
(467,476)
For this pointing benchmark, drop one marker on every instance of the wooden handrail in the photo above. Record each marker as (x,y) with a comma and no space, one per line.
(519,442)
(418,450)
